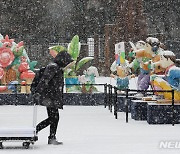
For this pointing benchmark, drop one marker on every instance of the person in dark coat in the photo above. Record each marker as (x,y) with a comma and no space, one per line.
(49,91)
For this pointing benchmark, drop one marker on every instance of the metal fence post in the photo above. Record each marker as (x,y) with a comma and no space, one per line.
(126,104)
(16,93)
(173,114)
(111,102)
(115,103)
(110,98)
(105,93)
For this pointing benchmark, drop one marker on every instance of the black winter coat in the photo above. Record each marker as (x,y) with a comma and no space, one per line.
(50,86)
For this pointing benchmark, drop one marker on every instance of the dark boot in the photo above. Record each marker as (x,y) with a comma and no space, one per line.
(53,141)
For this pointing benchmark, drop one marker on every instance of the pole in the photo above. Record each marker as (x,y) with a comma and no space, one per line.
(173,114)
(16,94)
(115,103)
(110,102)
(126,104)
(105,93)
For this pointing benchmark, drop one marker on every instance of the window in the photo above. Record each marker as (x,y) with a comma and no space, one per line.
(90,43)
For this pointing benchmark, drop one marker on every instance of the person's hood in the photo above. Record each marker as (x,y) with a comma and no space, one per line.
(63,58)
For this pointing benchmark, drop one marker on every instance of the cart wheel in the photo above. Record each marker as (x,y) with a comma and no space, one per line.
(26,145)
(1,145)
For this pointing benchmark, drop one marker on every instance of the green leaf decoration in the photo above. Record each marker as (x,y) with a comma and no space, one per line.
(16,61)
(83,61)
(58,48)
(32,64)
(87,86)
(69,72)
(74,47)
(72,73)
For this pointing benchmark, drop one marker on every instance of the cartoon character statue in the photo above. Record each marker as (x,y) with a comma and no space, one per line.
(89,78)
(90,74)
(146,53)
(171,80)
(122,78)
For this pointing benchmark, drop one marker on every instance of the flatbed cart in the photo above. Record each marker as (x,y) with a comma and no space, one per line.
(26,135)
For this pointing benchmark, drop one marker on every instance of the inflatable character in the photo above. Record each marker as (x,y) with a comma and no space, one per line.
(171,80)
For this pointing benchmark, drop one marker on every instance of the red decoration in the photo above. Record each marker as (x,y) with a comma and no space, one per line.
(24,66)
(6,39)
(27,75)
(6,57)
(20,44)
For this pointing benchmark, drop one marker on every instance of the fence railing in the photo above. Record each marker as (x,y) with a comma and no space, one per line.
(113,99)
(110,97)
(16,93)
(17,87)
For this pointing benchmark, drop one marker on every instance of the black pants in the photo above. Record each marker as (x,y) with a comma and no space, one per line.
(52,120)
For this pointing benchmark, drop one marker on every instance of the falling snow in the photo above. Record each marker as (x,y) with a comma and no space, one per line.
(90,129)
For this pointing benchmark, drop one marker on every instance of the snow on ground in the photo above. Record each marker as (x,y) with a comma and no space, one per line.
(90,130)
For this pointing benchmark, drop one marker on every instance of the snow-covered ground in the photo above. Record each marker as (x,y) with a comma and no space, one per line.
(90,130)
